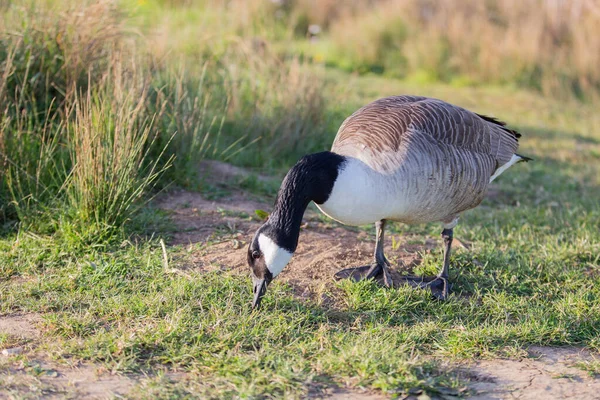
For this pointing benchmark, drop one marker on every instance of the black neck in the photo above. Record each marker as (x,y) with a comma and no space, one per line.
(311,179)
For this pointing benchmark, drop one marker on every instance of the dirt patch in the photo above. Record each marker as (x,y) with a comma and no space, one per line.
(182,202)
(549,373)
(219,238)
(20,325)
(348,394)
(37,379)
(24,374)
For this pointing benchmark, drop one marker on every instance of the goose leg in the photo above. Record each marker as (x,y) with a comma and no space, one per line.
(447,235)
(380,265)
(438,285)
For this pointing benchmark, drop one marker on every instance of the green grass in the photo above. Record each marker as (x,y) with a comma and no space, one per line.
(531,277)
(592,367)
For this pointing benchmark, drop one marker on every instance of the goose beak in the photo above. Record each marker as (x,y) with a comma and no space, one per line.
(260,288)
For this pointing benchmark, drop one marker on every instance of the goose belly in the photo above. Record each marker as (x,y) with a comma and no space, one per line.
(356,208)
(362,196)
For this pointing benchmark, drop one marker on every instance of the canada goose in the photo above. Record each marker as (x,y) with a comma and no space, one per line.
(404,158)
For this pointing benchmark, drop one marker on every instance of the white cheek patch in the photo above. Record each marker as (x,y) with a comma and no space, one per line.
(276,257)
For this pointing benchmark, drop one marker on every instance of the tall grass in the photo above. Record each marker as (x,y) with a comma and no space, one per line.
(550,46)
(30,149)
(231,48)
(51,53)
(30,158)
(287,98)
(110,148)
(56,50)
(95,110)
(74,143)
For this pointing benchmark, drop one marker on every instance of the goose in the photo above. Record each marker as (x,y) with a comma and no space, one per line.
(410,159)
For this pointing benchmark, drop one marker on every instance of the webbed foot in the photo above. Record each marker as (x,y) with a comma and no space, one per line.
(367,272)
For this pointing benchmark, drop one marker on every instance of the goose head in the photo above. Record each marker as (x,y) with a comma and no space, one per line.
(266,258)
(274,243)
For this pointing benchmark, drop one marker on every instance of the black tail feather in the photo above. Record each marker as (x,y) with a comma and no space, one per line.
(523,158)
(502,125)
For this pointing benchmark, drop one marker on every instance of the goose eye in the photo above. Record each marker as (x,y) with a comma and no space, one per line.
(255,254)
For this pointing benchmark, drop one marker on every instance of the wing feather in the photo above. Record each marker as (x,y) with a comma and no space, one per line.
(384,133)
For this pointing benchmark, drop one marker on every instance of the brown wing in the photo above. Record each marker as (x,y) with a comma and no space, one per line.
(383,132)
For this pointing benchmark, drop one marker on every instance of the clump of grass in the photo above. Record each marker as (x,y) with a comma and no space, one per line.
(592,367)
(30,151)
(188,107)
(30,156)
(76,134)
(112,168)
(48,52)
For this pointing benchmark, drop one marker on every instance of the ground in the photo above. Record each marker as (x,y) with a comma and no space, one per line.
(325,247)
(110,288)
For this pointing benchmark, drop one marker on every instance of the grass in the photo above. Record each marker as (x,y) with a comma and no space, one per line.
(531,278)
(86,146)
(538,45)
(206,103)
(592,367)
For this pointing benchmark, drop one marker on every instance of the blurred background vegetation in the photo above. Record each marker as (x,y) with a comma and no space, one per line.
(104,102)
